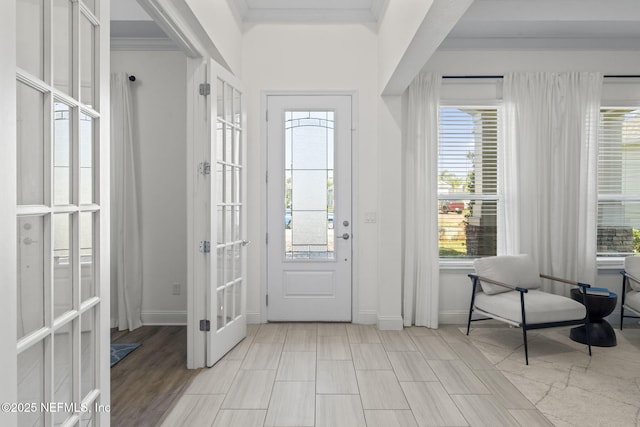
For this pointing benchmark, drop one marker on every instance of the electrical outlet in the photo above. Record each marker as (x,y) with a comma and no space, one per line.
(176,289)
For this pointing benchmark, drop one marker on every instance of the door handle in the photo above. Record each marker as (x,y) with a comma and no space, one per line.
(346,236)
(245,242)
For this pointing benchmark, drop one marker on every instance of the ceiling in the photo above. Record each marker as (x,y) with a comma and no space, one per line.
(305,11)
(487,24)
(548,24)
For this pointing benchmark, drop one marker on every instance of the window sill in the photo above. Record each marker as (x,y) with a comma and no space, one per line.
(456,264)
(604,263)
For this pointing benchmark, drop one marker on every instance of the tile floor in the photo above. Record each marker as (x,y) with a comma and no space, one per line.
(566,385)
(355,375)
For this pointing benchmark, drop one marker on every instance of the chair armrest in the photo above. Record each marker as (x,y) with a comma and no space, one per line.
(566,281)
(630,276)
(495,282)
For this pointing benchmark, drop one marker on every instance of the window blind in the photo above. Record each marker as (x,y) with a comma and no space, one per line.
(468,180)
(619,181)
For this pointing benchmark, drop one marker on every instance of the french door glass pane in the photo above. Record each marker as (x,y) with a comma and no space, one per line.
(88,352)
(228,144)
(62,154)
(31,277)
(87,287)
(30,36)
(228,270)
(237,108)
(237,298)
(220,183)
(86,159)
(63,370)
(228,103)
(219,141)
(62,35)
(220,316)
(31,382)
(87,67)
(220,101)
(220,265)
(62,264)
(31,152)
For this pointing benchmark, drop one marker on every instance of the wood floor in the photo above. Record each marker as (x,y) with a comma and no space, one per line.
(146,383)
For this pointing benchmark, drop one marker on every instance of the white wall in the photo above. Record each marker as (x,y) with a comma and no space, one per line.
(159,99)
(222,26)
(314,58)
(399,25)
(454,284)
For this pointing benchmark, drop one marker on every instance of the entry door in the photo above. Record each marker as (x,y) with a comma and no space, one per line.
(227,279)
(309,208)
(62,221)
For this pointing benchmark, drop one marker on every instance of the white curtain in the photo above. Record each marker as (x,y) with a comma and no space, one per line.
(421,256)
(550,174)
(126,254)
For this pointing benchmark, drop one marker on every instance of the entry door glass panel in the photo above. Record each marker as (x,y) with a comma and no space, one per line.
(309,149)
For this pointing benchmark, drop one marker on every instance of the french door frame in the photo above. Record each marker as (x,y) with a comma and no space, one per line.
(98,304)
(8,209)
(263,316)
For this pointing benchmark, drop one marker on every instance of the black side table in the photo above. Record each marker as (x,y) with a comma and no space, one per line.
(601,333)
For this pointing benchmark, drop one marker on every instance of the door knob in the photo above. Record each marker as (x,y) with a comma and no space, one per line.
(346,236)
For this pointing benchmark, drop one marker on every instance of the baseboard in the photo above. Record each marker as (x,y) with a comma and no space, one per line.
(366,317)
(390,323)
(454,317)
(166,318)
(254,318)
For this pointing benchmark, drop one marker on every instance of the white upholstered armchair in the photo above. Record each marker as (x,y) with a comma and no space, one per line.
(507,288)
(630,288)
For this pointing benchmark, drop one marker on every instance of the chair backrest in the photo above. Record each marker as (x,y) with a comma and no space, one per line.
(632,266)
(515,270)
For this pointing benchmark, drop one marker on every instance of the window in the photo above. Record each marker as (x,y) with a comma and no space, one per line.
(468,181)
(619,182)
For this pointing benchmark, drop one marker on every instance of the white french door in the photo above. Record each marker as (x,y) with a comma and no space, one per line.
(309,208)
(62,219)
(223,197)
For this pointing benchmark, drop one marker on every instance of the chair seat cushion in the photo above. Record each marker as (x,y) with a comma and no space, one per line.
(540,307)
(632,300)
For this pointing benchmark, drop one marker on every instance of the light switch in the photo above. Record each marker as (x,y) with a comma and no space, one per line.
(370,217)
